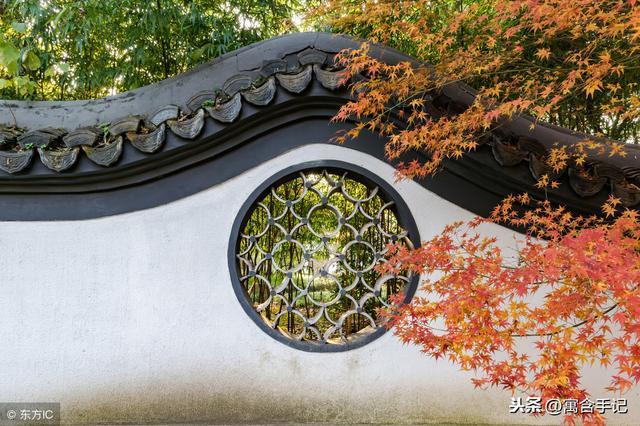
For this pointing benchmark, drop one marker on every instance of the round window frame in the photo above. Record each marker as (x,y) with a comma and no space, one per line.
(364,176)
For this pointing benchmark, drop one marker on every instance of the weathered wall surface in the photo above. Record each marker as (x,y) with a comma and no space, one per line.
(133,318)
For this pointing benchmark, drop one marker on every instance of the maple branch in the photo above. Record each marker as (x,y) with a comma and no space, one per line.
(581,323)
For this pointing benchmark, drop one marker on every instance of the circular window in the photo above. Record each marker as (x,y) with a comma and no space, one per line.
(304,252)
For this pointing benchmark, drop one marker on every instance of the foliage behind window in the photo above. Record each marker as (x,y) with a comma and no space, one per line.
(307,255)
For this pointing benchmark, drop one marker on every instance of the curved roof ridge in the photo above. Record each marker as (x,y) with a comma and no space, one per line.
(240,85)
(144,100)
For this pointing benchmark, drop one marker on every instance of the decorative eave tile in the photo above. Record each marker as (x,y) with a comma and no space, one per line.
(506,155)
(189,128)
(40,137)
(130,123)
(329,79)
(312,56)
(271,67)
(237,83)
(261,95)
(84,136)
(297,82)
(226,112)
(14,162)
(200,98)
(59,160)
(148,142)
(165,113)
(584,185)
(627,193)
(105,155)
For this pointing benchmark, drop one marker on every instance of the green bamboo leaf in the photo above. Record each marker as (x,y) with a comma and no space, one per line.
(55,20)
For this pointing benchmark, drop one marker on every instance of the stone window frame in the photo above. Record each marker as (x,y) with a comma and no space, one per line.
(364,176)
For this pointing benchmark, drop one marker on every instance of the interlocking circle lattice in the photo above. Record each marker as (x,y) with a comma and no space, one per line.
(306,256)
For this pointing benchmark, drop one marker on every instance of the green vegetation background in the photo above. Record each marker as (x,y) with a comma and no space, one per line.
(81,49)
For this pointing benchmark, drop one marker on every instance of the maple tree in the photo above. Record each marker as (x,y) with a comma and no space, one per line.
(571,288)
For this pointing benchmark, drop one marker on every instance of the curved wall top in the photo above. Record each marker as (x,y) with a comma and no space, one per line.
(186,133)
(177,90)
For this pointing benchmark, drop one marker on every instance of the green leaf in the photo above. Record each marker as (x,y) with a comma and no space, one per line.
(24,85)
(12,67)
(19,27)
(9,55)
(30,60)
(4,83)
(50,72)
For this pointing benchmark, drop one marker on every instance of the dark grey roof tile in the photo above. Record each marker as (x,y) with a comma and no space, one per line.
(261,95)
(59,160)
(149,142)
(105,155)
(164,113)
(227,111)
(188,128)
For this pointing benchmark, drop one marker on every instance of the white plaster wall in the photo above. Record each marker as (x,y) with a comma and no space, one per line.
(133,318)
